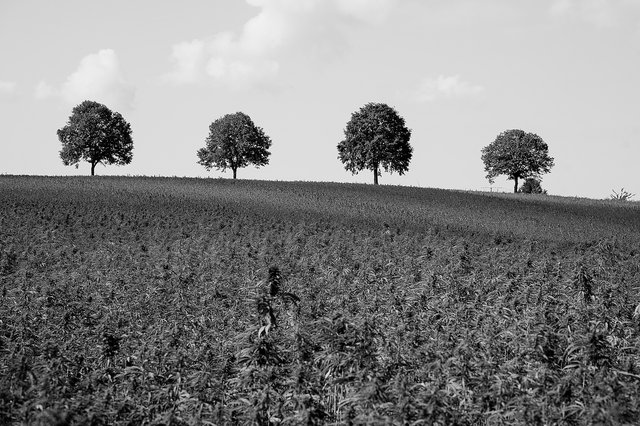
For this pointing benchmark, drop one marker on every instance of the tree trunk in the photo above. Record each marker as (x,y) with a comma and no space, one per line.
(235,170)
(515,185)
(375,174)
(93,169)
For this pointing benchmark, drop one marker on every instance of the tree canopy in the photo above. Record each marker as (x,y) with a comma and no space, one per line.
(97,135)
(516,155)
(234,142)
(376,137)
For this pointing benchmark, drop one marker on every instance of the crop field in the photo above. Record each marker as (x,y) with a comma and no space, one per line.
(205,301)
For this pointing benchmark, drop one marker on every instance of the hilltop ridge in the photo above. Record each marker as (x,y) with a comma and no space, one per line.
(538,217)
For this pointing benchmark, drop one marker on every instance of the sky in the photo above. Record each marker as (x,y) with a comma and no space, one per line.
(458,71)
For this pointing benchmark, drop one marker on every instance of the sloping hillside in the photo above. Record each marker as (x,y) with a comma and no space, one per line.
(198,301)
(538,217)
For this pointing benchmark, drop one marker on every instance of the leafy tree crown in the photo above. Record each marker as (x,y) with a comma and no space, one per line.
(376,137)
(234,142)
(517,155)
(95,134)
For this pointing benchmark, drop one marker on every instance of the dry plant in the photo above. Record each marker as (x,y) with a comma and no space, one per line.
(622,195)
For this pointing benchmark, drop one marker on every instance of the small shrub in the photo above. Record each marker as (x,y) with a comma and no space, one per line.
(622,195)
(532,186)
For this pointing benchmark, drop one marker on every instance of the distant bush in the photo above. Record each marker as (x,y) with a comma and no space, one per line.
(532,186)
(622,195)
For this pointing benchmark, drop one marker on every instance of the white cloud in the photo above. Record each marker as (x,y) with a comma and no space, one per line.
(44,90)
(431,89)
(601,13)
(241,74)
(254,55)
(561,7)
(373,11)
(98,78)
(188,58)
(7,87)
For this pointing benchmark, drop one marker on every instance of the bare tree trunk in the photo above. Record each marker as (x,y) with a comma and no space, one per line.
(235,169)
(375,174)
(93,168)
(515,185)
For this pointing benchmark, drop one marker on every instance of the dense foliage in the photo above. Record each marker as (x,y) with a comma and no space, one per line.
(97,135)
(376,138)
(517,155)
(201,301)
(234,142)
(531,186)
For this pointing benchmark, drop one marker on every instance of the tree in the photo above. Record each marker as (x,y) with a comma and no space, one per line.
(234,142)
(518,155)
(97,135)
(376,137)
(532,186)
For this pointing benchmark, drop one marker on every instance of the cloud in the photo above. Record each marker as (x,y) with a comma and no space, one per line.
(98,78)
(188,58)
(600,13)
(561,7)
(7,87)
(449,87)
(8,90)
(372,11)
(44,90)
(254,55)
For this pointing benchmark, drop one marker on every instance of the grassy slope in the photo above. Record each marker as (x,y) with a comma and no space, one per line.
(130,299)
(548,218)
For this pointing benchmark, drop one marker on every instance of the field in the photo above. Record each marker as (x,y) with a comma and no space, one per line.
(202,301)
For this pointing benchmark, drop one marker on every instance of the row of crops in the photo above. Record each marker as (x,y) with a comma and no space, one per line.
(177,301)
